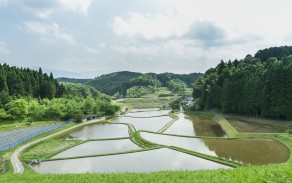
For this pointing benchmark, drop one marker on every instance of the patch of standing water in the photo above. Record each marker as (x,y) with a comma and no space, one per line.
(146,161)
(100,131)
(98,147)
(247,151)
(145,110)
(150,124)
(148,114)
(191,125)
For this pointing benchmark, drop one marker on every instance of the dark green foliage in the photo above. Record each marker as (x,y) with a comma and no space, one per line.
(259,86)
(18,82)
(177,86)
(73,80)
(175,105)
(120,82)
(31,95)
(112,83)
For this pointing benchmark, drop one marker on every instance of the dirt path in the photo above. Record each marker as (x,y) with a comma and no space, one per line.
(16,163)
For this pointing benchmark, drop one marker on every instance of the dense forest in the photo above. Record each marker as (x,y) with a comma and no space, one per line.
(30,95)
(258,86)
(72,80)
(133,84)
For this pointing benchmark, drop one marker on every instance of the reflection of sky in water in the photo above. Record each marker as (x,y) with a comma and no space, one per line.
(99,131)
(151,124)
(141,110)
(98,147)
(248,151)
(148,113)
(147,161)
(193,144)
(183,126)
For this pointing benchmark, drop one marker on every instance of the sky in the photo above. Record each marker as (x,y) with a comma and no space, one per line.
(87,38)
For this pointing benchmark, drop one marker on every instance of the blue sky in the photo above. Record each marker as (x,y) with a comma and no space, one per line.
(86,38)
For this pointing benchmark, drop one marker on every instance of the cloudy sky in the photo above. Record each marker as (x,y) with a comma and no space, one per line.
(86,38)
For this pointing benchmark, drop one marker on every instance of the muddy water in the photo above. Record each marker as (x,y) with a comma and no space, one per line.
(247,151)
(98,147)
(245,127)
(147,161)
(100,131)
(191,125)
(151,124)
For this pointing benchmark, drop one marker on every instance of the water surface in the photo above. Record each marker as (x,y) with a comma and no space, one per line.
(98,147)
(100,131)
(147,114)
(247,151)
(147,161)
(150,124)
(192,125)
(144,109)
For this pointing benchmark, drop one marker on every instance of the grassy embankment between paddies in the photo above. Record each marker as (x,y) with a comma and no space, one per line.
(265,173)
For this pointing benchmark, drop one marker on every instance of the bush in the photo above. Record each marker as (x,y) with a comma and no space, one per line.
(289,131)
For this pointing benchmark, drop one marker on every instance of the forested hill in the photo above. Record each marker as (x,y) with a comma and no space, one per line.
(72,80)
(19,82)
(258,86)
(120,82)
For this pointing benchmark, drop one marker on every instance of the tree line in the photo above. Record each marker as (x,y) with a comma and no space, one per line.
(18,82)
(120,83)
(30,95)
(258,86)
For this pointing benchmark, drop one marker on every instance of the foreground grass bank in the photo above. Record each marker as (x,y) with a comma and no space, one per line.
(271,173)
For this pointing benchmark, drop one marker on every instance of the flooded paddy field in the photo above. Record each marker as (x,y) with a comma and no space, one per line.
(191,125)
(247,151)
(247,127)
(98,147)
(100,131)
(98,155)
(148,114)
(151,124)
(146,161)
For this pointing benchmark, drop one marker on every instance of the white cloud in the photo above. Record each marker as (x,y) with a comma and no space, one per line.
(48,32)
(80,6)
(92,50)
(150,26)
(102,45)
(45,8)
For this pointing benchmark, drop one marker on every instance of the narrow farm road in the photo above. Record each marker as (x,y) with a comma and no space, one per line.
(16,163)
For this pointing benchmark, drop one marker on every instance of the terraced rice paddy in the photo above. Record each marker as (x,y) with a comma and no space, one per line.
(147,161)
(114,147)
(100,131)
(98,147)
(247,151)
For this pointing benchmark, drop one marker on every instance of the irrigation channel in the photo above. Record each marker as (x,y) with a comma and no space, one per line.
(150,140)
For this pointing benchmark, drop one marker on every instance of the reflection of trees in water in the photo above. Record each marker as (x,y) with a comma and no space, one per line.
(249,151)
(205,127)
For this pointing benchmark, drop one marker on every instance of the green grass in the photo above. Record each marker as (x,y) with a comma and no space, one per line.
(201,114)
(15,125)
(227,127)
(260,121)
(254,174)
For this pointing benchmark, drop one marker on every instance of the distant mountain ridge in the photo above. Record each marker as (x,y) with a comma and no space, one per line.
(119,82)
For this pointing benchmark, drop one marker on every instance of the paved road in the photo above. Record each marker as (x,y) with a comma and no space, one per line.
(16,163)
